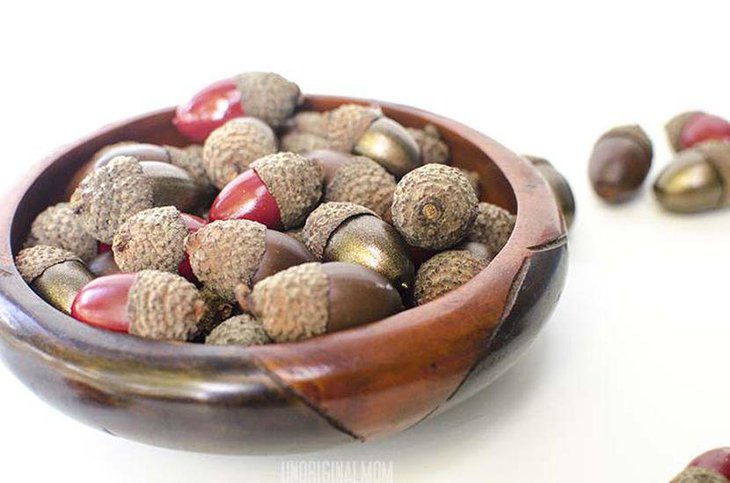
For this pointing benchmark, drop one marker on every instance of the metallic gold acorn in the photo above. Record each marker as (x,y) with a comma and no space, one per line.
(58,226)
(559,186)
(267,96)
(697,180)
(433,148)
(434,206)
(314,298)
(493,226)
(242,330)
(230,149)
(55,274)
(346,232)
(444,272)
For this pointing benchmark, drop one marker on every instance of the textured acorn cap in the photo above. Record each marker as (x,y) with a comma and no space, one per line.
(58,226)
(325,220)
(301,142)
(347,123)
(633,132)
(111,194)
(217,309)
(433,149)
(243,330)
(675,126)
(267,96)
(292,305)
(224,254)
(32,262)
(444,272)
(493,226)
(696,474)
(311,122)
(434,206)
(163,305)
(190,159)
(153,239)
(231,148)
(364,182)
(294,181)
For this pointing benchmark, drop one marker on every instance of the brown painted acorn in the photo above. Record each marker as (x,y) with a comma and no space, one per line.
(242,330)
(315,298)
(434,207)
(493,226)
(58,226)
(697,180)
(559,186)
(433,148)
(111,194)
(620,162)
(55,274)
(446,271)
(230,149)
(225,254)
(346,232)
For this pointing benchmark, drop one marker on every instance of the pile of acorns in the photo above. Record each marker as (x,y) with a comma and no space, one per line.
(318,222)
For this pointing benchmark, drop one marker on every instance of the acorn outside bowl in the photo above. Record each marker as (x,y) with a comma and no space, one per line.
(349,386)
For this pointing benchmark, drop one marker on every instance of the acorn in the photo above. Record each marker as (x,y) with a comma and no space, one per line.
(620,162)
(710,467)
(695,474)
(111,194)
(224,254)
(697,180)
(264,95)
(230,149)
(493,226)
(445,272)
(346,232)
(311,122)
(474,180)
(278,190)
(152,304)
(154,239)
(559,186)
(103,264)
(242,330)
(217,310)
(432,147)
(356,179)
(301,142)
(434,206)
(691,128)
(58,226)
(315,298)
(55,274)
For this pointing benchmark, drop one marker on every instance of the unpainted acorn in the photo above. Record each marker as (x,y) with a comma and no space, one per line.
(433,148)
(242,330)
(301,142)
(558,185)
(493,226)
(58,226)
(445,272)
(314,298)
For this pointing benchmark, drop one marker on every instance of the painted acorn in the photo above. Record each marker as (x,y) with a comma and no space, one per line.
(691,128)
(153,304)
(346,232)
(559,186)
(225,254)
(279,190)
(58,226)
(710,467)
(111,194)
(57,275)
(263,95)
(103,264)
(315,298)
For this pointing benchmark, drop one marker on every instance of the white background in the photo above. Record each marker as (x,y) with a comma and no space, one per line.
(629,380)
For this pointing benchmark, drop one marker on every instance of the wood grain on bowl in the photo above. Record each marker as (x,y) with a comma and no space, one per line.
(354,385)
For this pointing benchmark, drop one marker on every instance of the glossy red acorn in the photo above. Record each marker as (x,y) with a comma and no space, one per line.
(716,459)
(704,127)
(102,302)
(247,198)
(209,109)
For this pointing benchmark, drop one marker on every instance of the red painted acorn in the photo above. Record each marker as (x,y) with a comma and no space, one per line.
(265,95)
(716,459)
(691,128)
(103,302)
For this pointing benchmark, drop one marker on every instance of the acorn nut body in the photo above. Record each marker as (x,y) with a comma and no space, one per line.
(559,186)
(691,128)
(314,298)
(446,271)
(620,162)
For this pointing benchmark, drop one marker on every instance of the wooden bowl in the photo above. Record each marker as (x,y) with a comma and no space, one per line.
(354,385)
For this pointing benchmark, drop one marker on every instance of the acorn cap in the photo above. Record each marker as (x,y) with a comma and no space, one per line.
(717,153)
(301,142)
(696,474)
(633,132)
(111,194)
(230,149)
(675,126)
(294,181)
(292,305)
(163,305)
(58,226)
(217,309)
(347,123)
(32,262)
(325,220)
(243,330)
(190,159)
(493,226)
(433,149)
(267,96)
(444,272)
(434,206)
(364,182)
(224,254)
(311,122)
(152,239)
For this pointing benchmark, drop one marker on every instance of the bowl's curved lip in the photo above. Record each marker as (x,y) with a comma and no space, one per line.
(35,325)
